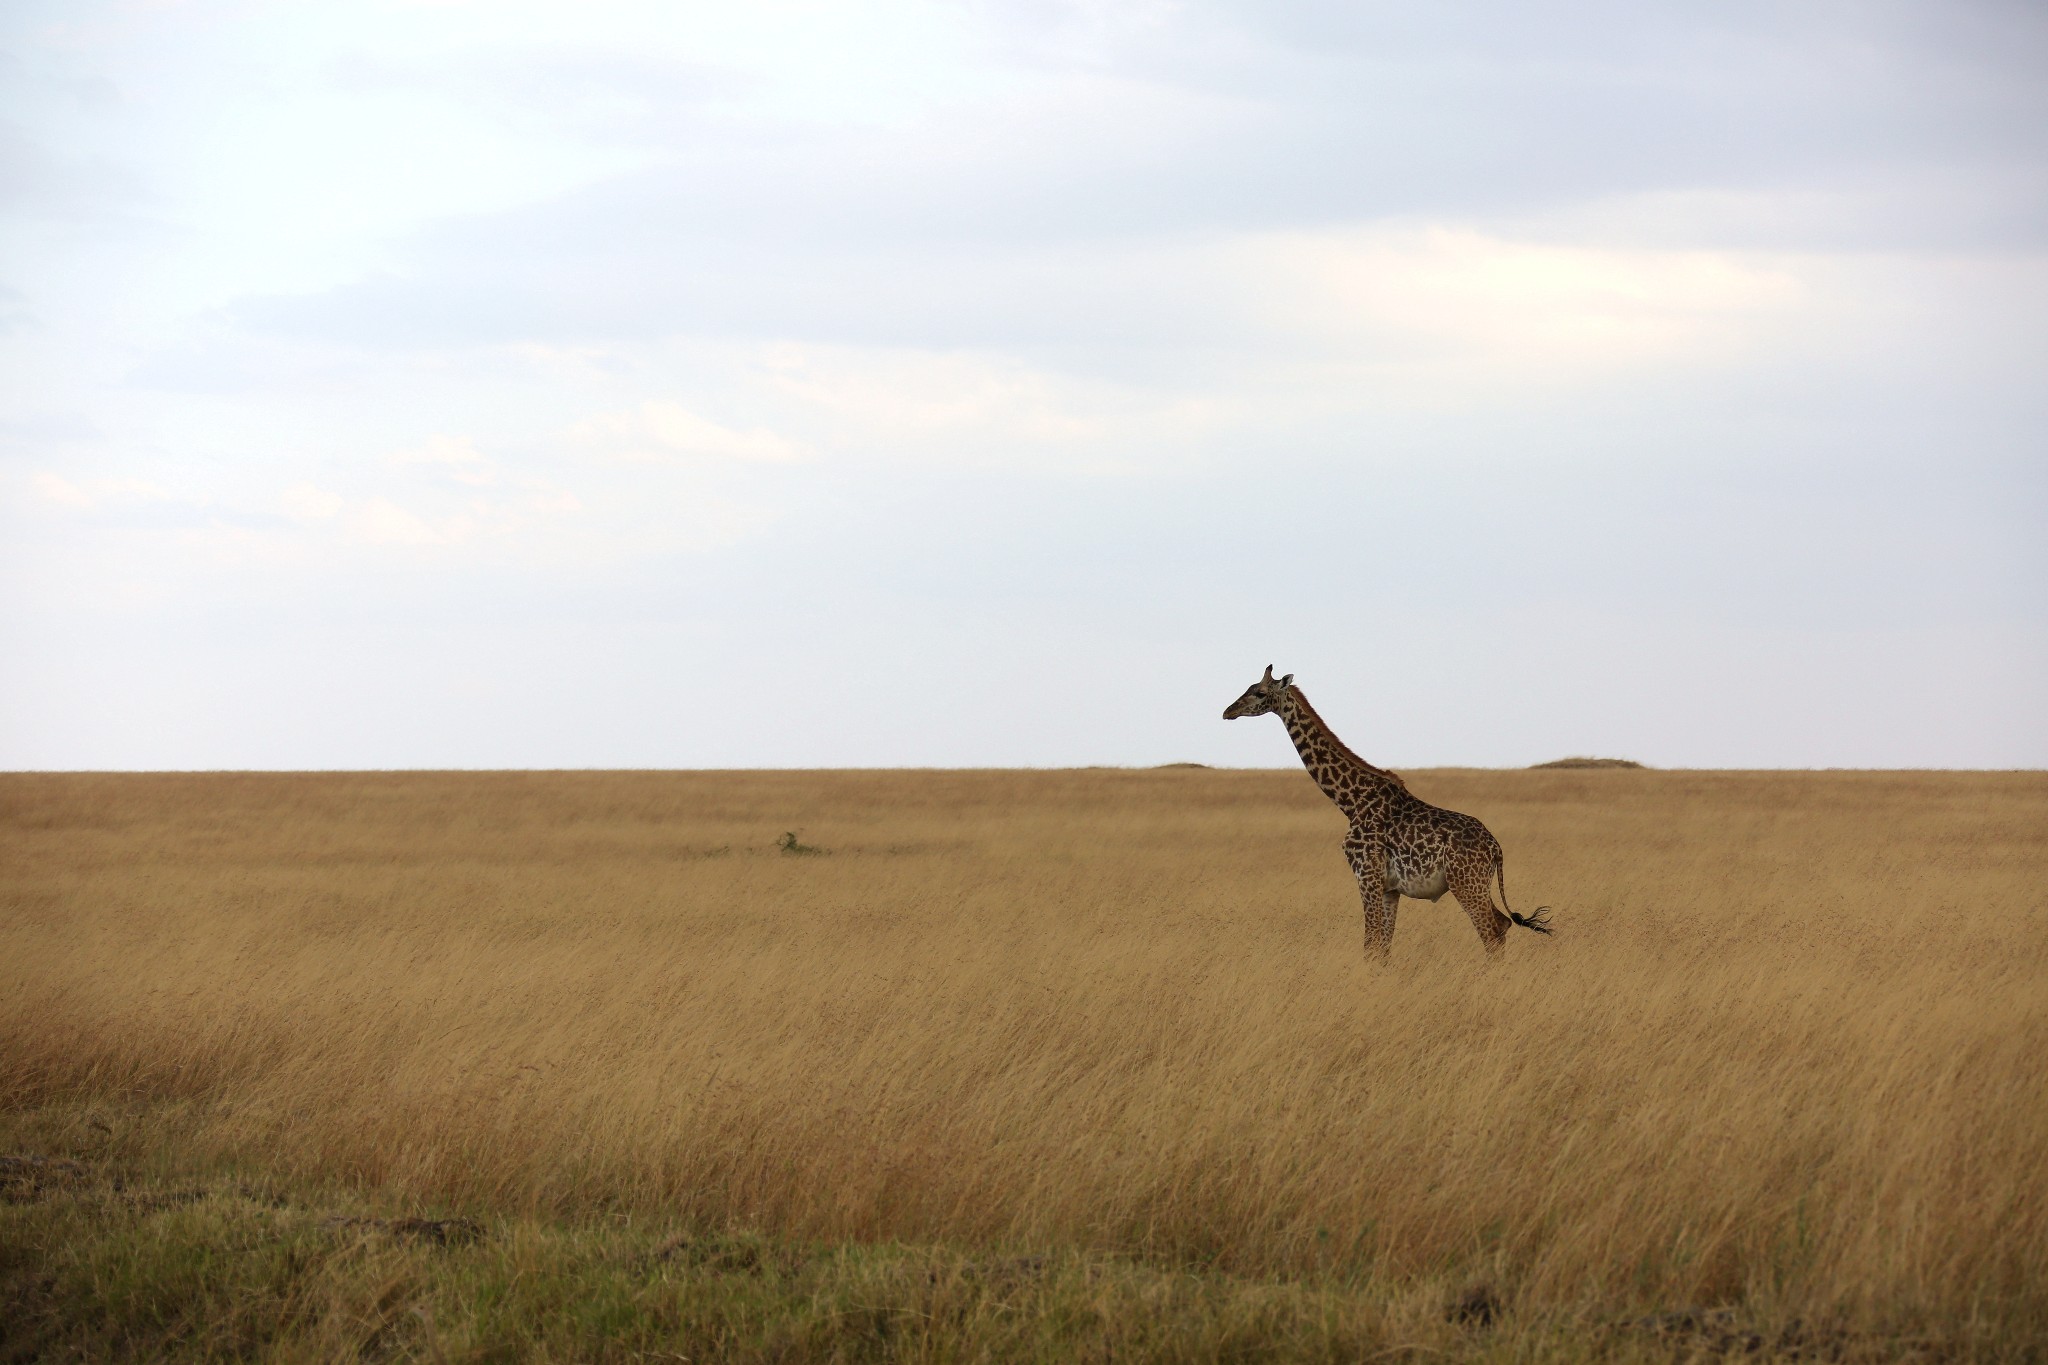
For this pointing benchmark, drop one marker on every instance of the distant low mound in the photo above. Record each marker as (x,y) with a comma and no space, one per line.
(1579,762)
(1183,765)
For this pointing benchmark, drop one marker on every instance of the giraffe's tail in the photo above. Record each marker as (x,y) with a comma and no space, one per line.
(1540,921)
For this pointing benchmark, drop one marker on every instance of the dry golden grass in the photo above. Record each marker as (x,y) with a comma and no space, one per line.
(1787,1049)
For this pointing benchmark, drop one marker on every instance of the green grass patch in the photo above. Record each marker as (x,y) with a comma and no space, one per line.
(107,1252)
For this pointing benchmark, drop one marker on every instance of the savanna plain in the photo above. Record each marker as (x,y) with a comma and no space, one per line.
(1056,1065)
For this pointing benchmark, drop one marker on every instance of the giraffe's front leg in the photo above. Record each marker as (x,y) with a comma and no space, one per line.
(1379,929)
(1368,859)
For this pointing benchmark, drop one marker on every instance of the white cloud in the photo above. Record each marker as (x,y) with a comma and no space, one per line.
(59,489)
(912,394)
(305,502)
(448,494)
(533,515)
(456,457)
(660,431)
(457,451)
(1450,301)
(91,494)
(972,408)
(381,519)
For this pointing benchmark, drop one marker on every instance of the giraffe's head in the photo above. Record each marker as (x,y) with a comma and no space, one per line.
(1261,697)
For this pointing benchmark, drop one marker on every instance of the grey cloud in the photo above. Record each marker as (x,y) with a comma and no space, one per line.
(598,95)
(16,315)
(1004,222)
(39,178)
(1990,36)
(36,182)
(493,293)
(1629,97)
(36,430)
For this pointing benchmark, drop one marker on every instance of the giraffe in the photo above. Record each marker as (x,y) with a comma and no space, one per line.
(1398,845)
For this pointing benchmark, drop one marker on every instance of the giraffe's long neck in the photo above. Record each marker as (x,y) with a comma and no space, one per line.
(1345,778)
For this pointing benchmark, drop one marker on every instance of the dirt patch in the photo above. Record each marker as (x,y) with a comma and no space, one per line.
(729,1255)
(1724,1332)
(25,1179)
(438,1232)
(1479,1306)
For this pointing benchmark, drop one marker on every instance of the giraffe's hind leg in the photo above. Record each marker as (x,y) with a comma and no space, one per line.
(1474,889)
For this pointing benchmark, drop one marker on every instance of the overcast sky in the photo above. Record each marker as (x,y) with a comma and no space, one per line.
(713,385)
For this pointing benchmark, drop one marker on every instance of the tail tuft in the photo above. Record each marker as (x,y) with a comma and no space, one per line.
(1540,921)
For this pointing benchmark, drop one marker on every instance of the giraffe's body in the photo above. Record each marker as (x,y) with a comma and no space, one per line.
(1398,844)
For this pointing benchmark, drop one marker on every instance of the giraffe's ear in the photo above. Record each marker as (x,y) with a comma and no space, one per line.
(1269,674)
(1287,681)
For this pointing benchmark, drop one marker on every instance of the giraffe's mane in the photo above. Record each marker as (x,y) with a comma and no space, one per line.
(1301,699)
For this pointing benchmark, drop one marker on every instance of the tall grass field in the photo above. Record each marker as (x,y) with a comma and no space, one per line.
(1016,1065)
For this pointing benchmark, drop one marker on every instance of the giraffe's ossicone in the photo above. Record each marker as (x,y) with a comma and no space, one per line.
(1398,845)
